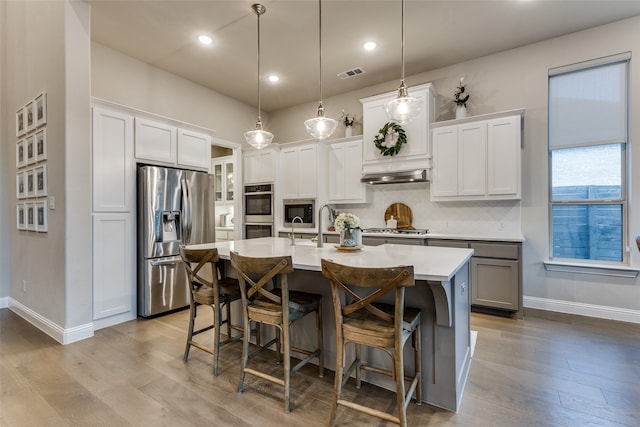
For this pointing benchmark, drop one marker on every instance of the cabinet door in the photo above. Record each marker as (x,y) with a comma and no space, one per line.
(259,167)
(113,167)
(444,180)
(307,171)
(114,285)
(194,149)
(216,171)
(228,181)
(156,141)
(503,156)
(472,163)
(336,172)
(290,182)
(494,283)
(353,188)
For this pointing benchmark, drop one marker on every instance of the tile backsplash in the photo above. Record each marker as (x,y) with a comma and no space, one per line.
(476,217)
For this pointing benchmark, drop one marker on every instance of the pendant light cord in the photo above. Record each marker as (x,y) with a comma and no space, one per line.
(259,118)
(320,42)
(402,42)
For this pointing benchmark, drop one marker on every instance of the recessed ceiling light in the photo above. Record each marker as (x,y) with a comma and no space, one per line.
(369,45)
(273,78)
(205,39)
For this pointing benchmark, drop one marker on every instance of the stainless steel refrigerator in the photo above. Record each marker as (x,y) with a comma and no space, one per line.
(174,207)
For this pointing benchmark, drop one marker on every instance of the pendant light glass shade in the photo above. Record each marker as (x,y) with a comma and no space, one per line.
(258,138)
(320,127)
(403,108)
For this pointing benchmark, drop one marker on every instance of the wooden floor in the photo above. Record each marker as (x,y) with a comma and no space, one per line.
(546,370)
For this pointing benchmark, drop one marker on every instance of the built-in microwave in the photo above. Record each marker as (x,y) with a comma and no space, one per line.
(302,208)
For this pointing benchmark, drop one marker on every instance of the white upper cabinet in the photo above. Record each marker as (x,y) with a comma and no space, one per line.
(344,172)
(260,166)
(194,149)
(156,141)
(299,171)
(416,153)
(222,168)
(477,158)
(112,167)
(162,143)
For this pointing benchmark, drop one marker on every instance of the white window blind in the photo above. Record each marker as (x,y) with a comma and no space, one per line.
(588,106)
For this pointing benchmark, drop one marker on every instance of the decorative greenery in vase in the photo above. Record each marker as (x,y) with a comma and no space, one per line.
(348,119)
(345,221)
(461,96)
(349,227)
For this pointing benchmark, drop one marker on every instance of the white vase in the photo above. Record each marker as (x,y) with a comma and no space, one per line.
(461,112)
(348,131)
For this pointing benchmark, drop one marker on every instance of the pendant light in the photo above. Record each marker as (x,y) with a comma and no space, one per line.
(403,108)
(320,127)
(258,138)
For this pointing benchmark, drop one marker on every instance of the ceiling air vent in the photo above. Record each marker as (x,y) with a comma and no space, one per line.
(351,73)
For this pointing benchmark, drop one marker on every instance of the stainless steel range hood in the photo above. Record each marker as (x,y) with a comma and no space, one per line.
(396,177)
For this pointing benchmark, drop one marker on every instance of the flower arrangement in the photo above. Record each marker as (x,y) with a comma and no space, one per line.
(345,221)
(390,138)
(348,119)
(460,97)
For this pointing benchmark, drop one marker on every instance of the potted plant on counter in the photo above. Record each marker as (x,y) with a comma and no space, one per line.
(348,225)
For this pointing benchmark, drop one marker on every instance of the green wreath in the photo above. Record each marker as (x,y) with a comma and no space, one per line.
(397,138)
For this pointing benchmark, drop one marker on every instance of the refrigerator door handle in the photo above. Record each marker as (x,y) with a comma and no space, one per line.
(166,261)
(186,212)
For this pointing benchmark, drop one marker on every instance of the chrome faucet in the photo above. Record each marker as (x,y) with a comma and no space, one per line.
(293,236)
(320,240)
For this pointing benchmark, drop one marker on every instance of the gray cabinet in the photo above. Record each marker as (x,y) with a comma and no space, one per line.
(378,240)
(495,275)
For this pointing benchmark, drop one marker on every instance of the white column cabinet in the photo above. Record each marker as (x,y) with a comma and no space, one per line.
(344,172)
(260,166)
(113,216)
(477,158)
(222,168)
(299,171)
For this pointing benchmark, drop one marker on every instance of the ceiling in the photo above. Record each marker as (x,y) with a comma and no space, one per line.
(437,34)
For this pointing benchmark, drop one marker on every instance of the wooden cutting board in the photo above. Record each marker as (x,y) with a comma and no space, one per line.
(402,213)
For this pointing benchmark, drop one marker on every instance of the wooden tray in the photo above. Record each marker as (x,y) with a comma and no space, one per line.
(402,213)
(348,248)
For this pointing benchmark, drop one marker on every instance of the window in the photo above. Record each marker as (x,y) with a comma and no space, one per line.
(588,135)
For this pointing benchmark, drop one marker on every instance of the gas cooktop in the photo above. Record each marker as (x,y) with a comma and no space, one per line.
(395,231)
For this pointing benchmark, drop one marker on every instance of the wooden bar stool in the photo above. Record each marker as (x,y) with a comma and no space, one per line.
(208,289)
(278,307)
(362,321)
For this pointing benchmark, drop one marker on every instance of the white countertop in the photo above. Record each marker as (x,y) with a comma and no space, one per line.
(430,263)
(496,237)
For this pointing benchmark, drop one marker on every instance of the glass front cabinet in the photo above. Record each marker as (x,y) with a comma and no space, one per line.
(222,170)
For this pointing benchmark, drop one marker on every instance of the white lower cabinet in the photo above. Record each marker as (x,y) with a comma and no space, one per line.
(344,172)
(114,282)
(477,158)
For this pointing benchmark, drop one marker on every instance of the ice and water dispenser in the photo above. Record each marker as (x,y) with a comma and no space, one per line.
(168,226)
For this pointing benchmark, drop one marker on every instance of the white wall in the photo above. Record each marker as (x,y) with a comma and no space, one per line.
(5,215)
(504,81)
(127,81)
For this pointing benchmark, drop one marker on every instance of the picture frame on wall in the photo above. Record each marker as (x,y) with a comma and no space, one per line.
(31,182)
(41,109)
(30,116)
(40,180)
(20,122)
(21,185)
(21,220)
(21,159)
(40,141)
(41,216)
(30,210)
(30,150)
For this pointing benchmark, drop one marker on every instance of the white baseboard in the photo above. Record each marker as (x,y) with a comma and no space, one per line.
(590,310)
(58,333)
(4,302)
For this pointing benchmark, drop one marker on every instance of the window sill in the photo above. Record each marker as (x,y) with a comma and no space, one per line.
(598,269)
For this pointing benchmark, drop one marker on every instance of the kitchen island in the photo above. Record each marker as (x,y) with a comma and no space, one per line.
(441,292)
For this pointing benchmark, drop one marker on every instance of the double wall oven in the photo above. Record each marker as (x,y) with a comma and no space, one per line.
(258,211)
